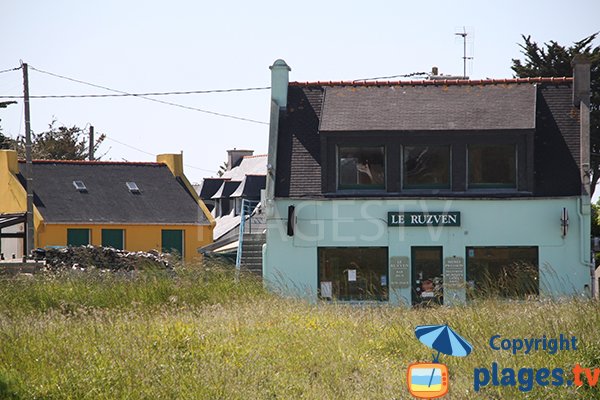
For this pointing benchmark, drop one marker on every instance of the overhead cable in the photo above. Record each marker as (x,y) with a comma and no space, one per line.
(151,99)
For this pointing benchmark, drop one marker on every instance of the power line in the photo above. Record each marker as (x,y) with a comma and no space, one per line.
(393,76)
(74,96)
(152,154)
(151,99)
(10,69)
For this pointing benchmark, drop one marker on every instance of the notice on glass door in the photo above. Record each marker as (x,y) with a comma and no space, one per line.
(351,275)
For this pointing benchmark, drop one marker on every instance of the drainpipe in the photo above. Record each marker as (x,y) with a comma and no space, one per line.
(581,99)
(279,90)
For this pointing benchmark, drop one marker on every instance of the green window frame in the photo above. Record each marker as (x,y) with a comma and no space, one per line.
(78,237)
(172,241)
(114,238)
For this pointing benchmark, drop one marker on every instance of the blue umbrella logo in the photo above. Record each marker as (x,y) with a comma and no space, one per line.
(443,339)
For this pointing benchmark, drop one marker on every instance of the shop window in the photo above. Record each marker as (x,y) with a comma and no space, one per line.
(78,237)
(426,167)
(492,166)
(502,271)
(361,167)
(353,273)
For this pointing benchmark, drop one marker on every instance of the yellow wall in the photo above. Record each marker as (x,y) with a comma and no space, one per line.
(137,237)
(13,196)
(13,199)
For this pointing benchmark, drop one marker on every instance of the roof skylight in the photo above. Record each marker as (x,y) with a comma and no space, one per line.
(133,187)
(79,185)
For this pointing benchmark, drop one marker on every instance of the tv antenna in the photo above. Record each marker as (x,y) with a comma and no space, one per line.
(465,58)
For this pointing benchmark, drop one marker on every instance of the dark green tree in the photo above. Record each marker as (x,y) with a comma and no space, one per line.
(552,59)
(59,143)
(5,142)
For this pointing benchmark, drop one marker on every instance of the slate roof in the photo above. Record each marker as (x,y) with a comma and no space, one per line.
(250,187)
(162,198)
(250,165)
(426,108)
(209,187)
(339,108)
(227,187)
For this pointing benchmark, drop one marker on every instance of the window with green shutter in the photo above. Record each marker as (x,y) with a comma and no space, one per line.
(113,238)
(78,237)
(172,241)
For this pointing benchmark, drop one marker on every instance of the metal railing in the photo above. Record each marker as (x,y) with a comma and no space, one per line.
(248,207)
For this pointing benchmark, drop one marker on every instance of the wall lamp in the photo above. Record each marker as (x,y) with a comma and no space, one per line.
(291,220)
(564,222)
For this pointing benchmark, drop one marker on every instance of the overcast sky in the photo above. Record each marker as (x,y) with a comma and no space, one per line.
(159,46)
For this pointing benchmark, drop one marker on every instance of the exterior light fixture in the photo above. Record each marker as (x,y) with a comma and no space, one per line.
(291,220)
(564,222)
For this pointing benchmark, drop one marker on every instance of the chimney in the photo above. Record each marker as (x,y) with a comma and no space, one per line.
(434,71)
(581,79)
(279,82)
(9,161)
(234,157)
(280,75)
(581,100)
(173,161)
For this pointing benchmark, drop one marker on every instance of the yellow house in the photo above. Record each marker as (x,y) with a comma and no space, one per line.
(135,206)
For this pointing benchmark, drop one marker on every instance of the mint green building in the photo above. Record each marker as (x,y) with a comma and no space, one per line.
(430,191)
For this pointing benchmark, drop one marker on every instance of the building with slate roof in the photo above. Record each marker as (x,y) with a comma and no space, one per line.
(239,187)
(125,205)
(431,191)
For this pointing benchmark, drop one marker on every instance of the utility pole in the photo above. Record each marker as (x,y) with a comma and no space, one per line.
(91,149)
(28,166)
(465,58)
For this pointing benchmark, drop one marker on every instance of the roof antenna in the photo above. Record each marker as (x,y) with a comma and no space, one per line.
(465,58)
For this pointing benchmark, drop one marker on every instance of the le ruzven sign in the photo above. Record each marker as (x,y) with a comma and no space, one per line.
(413,218)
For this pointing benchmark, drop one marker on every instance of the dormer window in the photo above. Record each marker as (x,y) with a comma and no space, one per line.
(79,185)
(361,167)
(133,187)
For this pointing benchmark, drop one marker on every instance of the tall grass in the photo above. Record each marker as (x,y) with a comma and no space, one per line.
(196,334)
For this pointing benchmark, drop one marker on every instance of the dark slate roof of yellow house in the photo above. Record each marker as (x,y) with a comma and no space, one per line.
(161,199)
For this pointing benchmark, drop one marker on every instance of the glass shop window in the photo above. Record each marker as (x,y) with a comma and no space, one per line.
(426,167)
(511,272)
(492,166)
(353,273)
(361,167)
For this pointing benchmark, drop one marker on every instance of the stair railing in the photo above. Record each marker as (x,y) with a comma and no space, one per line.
(246,211)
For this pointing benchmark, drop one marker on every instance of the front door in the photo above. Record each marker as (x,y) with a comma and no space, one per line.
(427,269)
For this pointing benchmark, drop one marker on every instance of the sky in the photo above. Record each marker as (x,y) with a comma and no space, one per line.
(158,46)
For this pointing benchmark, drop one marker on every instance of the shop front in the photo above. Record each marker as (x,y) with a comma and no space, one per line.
(425,252)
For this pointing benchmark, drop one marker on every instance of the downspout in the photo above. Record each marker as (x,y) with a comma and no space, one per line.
(581,99)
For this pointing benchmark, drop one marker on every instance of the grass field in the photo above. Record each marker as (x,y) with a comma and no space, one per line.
(196,334)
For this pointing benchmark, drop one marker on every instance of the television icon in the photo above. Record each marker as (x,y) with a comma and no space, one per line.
(427,380)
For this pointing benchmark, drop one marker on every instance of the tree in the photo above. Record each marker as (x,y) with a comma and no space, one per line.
(555,60)
(59,143)
(222,169)
(5,142)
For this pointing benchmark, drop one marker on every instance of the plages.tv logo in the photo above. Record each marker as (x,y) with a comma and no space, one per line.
(429,380)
